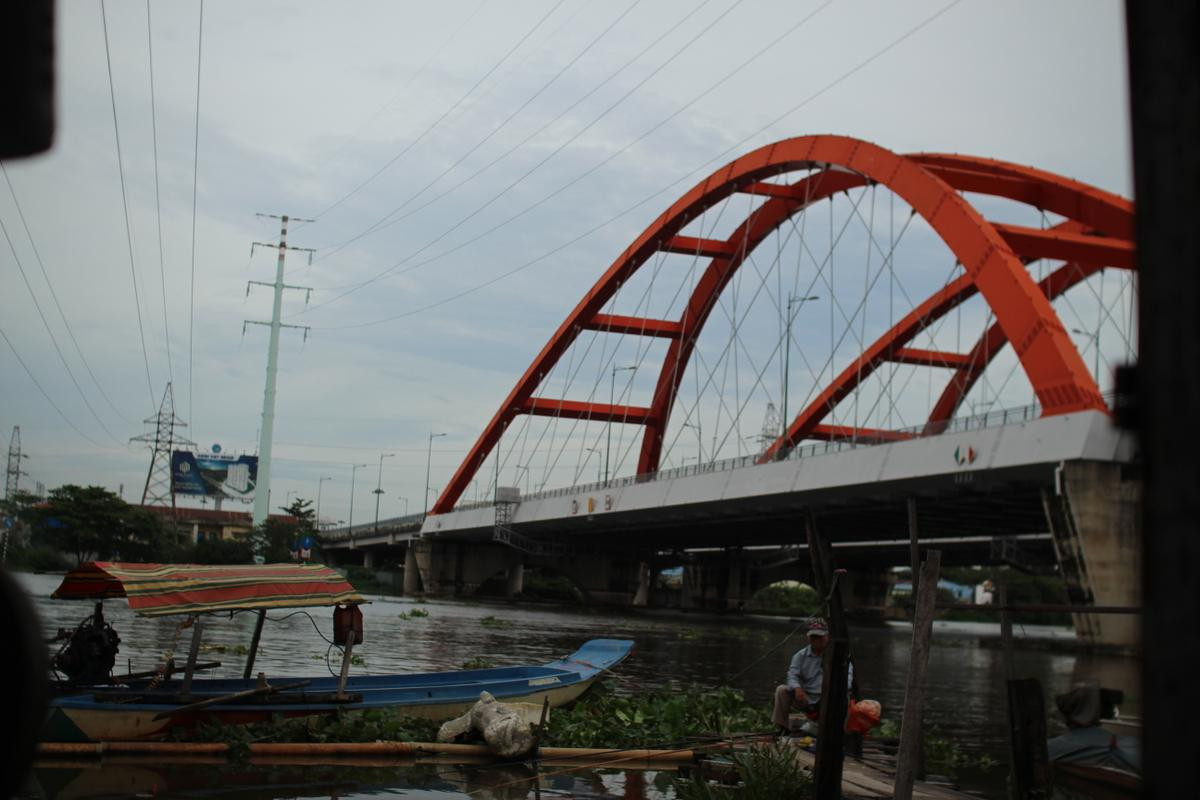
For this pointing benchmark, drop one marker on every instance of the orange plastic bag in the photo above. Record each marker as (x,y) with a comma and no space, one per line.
(864,715)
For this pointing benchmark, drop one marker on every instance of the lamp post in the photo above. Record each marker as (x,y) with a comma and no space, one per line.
(596,450)
(379,487)
(428,463)
(612,389)
(1095,337)
(787,349)
(405,499)
(699,441)
(518,476)
(354,468)
(320,482)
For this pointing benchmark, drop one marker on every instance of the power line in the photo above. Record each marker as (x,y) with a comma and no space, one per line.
(531,170)
(45,394)
(383,221)
(195,173)
(53,338)
(444,114)
(54,295)
(545,126)
(162,273)
(125,205)
(537,259)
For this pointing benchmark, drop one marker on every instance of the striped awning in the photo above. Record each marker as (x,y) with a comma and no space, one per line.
(159,589)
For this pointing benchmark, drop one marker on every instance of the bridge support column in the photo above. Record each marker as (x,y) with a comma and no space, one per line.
(1096,522)
(865,591)
(429,558)
(515,580)
(412,573)
(641,598)
(369,559)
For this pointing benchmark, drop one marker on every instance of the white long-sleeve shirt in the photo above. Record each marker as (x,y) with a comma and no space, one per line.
(806,671)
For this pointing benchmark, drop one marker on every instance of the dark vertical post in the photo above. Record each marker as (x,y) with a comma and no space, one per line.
(1027,735)
(1006,640)
(911,733)
(914,551)
(827,769)
(190,670)
(1164,90)
(258,626)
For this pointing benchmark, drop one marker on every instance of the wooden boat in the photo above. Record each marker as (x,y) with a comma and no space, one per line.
(153,704)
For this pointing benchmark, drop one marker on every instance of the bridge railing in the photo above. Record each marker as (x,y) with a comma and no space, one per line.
(368,528)
(988,419)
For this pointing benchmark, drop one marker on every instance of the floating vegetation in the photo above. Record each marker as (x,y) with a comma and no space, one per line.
(942,755)
(371,725)
(763,773)
(478,662)
(358,660)
(495,622)
(416,613)
(602,718)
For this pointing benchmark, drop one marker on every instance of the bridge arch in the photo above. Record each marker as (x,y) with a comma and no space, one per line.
(1096,233)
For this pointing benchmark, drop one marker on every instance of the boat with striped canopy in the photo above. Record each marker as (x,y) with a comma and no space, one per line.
(92,704)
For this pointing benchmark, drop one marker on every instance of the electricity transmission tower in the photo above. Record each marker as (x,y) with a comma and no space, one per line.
(772,428)
(12,479)
(262,488)
(12,476)
(162,441)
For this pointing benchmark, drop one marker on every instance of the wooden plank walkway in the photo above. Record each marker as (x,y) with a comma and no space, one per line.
(863,780)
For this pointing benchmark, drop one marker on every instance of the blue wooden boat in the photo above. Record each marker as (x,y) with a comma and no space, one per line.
(118,708)
(131,712)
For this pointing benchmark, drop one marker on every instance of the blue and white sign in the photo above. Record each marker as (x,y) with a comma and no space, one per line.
(214,475)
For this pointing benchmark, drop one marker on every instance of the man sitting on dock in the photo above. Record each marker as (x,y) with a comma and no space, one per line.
(803,687)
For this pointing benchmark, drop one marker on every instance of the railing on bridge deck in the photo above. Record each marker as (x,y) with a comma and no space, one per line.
(990,419)
(368,528)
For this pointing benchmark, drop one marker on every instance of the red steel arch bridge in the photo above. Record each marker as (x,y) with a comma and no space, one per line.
(819,292)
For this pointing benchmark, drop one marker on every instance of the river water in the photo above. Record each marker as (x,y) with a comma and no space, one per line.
(964,694)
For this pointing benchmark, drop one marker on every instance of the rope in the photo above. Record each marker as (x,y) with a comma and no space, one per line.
(759,660)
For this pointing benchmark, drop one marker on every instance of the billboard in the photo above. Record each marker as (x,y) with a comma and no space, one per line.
(214,475)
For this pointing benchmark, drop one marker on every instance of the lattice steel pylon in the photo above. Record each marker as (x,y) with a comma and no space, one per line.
(772,428)
(12,476)
(162,441)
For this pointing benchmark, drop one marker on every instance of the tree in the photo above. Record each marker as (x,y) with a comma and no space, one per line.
(274,540)
(92,522)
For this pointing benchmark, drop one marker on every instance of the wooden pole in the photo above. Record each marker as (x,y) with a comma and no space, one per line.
(258,626)
(1006,641)
(193,653)
(341,690)
(1027,735)
(911,735)
(827,768)
(914,551)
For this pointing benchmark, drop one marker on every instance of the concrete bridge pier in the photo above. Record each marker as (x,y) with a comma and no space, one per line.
(412,572)
(514,580)
(865,591)
(1094,515)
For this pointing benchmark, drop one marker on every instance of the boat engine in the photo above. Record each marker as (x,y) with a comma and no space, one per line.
(90,650)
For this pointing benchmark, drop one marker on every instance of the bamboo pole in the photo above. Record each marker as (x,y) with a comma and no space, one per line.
(351,749)
(911,736)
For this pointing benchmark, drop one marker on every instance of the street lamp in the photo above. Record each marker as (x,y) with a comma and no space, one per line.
(612,388)
(787,349)
(699,441)
(354,468)
(596,450)
(1095,337)
(405,499)
(320,481)
(379,487)
(518,476)
(428,462)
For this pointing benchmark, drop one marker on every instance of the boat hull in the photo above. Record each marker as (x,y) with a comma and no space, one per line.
(436,696)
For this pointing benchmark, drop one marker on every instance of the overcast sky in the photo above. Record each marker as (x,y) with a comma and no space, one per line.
(495,135)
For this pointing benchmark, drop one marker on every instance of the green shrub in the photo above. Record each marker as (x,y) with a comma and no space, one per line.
(798,598)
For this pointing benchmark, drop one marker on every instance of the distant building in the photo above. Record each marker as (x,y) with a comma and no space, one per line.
(208,523)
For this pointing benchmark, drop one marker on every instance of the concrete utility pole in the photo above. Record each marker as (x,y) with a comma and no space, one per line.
(262,487)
